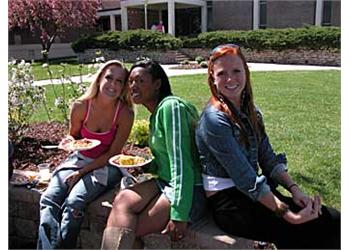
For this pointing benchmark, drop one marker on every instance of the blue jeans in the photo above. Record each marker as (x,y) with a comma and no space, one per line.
(61,213)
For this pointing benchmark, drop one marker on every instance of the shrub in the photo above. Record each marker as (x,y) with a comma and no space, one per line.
(139,133)
(185,62)
(204,65)
(23,98)
(130,40)
(309,37)
(199,59)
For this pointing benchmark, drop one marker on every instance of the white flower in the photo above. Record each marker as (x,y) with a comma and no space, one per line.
(100,59)
(22,63)
(14,101)
(58,101)
(45,65)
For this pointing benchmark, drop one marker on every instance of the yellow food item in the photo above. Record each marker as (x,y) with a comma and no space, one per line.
(130,160)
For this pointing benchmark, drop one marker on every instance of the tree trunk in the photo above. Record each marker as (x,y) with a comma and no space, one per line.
(46,46)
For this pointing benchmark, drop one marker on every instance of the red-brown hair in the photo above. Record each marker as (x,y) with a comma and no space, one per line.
(247,103)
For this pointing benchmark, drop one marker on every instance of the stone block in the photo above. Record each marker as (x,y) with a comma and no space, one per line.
(27,210)
(98,224)
(16,242)
(204,236)
(13,207)
(12,230)
(20,194)
(86,222)
(90,239)
(26,228)
(96,206)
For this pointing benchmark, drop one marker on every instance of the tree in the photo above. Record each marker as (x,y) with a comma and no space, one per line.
(50,18)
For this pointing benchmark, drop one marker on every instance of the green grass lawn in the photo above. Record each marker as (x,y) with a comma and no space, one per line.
(68,67)
(302,117)
(72,68)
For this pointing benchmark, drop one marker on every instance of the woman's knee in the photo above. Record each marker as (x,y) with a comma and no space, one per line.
(75,207)
(122,201)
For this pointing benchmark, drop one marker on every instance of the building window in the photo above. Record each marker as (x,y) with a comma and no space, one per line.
(327,13)
(210,16)
(262,14)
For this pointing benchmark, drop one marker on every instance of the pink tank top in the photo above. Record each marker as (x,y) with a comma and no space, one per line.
(106,138)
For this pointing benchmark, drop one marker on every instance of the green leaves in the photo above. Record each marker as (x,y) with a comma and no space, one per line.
(139,133)
(23,97)
(130,40)
(276,39)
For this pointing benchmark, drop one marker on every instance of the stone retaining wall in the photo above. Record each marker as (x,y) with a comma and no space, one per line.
(24,220)
(308,57)
(163,56)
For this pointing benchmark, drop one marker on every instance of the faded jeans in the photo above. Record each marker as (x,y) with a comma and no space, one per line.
(61,213)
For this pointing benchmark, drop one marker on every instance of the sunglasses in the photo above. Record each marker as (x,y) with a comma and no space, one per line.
(230,45)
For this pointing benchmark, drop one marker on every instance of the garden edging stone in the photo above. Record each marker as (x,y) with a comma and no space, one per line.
(24,220)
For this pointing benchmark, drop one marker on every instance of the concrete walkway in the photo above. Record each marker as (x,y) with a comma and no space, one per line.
(176,72)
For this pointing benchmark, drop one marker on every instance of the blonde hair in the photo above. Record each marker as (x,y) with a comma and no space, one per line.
(93,89)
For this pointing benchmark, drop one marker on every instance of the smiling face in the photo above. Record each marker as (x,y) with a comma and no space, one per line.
(229,77)
(144,89)
(112,81)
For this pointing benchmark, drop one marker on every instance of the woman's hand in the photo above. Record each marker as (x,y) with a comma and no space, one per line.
(310,212)
(64,142)
(299,197)
(176,229)
(72,179)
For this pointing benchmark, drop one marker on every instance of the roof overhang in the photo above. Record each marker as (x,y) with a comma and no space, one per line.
(162,4)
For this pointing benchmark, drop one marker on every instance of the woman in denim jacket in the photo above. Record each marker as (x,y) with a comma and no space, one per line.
(232,143)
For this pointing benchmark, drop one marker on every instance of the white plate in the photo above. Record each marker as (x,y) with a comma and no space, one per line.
(115,161)
(72,147)
(19,179)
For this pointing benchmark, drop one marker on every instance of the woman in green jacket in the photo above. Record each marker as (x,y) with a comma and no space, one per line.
(163,204)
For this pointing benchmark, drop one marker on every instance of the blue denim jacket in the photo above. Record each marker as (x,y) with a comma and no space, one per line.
(222,154)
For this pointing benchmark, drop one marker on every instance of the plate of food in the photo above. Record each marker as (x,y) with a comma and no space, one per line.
(19,179)
(80,145)
(129,161)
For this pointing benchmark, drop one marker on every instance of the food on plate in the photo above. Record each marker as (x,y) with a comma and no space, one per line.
(129,160)
(19,179)
(83,143)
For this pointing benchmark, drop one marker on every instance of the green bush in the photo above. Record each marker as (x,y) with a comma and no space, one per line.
(23,97)
(309,37)
(204,65)
(185,62)
(139,133)
(199,59)
(130,40)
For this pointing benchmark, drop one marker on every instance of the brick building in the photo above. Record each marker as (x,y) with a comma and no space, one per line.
(187,17)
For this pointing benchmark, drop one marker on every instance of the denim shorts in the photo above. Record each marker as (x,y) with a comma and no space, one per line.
(199,211)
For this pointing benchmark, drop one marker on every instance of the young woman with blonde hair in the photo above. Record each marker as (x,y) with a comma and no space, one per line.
(104,113)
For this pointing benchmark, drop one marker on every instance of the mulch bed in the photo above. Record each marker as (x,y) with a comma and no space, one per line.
(28,152)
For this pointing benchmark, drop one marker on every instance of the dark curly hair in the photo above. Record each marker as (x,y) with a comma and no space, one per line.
(157,72)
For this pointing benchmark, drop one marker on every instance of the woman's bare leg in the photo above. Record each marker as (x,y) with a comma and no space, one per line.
(155,217)
(130,202)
